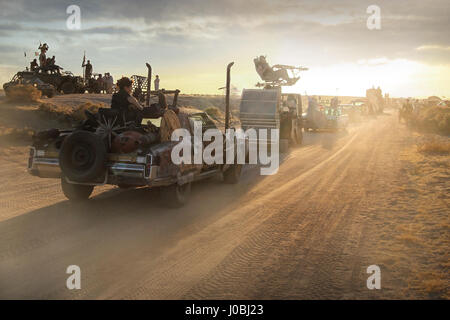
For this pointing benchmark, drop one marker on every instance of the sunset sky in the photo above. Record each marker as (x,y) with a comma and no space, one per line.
(190,42)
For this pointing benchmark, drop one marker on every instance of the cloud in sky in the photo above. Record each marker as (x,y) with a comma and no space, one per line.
(190,42)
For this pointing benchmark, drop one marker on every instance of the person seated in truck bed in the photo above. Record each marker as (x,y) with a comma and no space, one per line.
(129,108)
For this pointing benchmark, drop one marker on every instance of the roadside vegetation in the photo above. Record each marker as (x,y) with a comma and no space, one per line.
(433,119)
(214,112)
(23,93)
(69,114)
(435,146)
(13,135)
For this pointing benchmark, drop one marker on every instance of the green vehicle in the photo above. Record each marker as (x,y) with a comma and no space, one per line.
(64,82)
(26,77)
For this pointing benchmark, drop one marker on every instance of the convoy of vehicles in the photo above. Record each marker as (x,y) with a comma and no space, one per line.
(105,149)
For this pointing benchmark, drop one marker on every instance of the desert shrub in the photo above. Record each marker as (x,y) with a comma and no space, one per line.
(213,112)
(435,119)
(23,93)
(78,113)
(69,114)
(52,111)
(23,134)
(435,146)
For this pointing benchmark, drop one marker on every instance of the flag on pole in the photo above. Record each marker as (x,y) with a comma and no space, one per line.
(84,59)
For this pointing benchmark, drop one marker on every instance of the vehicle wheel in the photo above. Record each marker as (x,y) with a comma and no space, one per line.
(83,156)
(175,196)
(67,87)
(233,174)
(75,192)
(50,94)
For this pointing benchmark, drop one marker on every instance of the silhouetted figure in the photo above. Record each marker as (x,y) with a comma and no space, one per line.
(156,82)
(33,65)
(87,70)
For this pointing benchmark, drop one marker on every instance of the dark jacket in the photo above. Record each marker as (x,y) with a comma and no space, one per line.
(120,103)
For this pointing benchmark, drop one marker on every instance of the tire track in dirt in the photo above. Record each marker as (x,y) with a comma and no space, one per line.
(263,264)
(214,242)
(139,256)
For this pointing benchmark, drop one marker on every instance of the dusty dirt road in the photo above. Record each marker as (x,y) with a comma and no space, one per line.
(338,204)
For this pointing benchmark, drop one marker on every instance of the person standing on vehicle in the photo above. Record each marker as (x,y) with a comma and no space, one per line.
(33,65)
(156,83)
(87,70)
(42,55)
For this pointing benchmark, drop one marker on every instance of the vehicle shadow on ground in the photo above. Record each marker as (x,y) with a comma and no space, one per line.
(111,206)
(142,206)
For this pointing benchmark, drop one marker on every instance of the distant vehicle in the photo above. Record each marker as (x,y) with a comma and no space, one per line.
(326,118)
(46,89)
(64,82)
(444,103)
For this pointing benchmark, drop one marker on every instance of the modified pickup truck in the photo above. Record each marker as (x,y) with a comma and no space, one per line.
(106,150)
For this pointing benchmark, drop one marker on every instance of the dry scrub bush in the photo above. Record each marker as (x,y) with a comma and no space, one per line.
(23,134)
(435,119)
(69,114)
(214,112)
(435,146)
(23,93)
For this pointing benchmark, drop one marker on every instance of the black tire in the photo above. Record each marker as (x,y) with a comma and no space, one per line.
(68,87)
(175,196)
(75,192)
(233,174)
(50,94)
(83,156)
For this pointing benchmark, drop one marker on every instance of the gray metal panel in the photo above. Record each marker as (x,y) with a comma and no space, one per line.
(259,101)
(259,108)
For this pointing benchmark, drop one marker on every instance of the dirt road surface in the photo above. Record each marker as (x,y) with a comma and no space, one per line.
(337,205)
